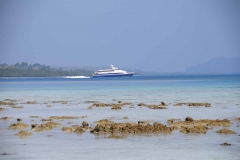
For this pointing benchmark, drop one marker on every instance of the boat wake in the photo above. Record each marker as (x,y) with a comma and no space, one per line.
(76,77)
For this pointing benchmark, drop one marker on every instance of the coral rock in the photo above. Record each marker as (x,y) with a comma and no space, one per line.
(18,126)
(23,133)
(226,131)
(189,119)
(85,124)
(226,144)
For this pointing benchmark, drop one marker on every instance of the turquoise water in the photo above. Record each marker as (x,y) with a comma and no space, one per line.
(222,91)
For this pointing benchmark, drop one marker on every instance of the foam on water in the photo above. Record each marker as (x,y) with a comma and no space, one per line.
(76,77)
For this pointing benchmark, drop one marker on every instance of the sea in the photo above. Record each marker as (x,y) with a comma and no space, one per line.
(221,91)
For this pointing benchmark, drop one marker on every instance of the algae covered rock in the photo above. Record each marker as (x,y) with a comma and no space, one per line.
(35,117)
(195,129)
(18,126)
(43,127)
(85,124)
(2,109)
(6,103)
(74,128)
(63,117)
(226,144)
(23,133)
(226,131)
(67,129)
(153,106)
(131,128)
(31,102)
(14,106)
(116,107)
(4,118)
(189,122)
(195,104)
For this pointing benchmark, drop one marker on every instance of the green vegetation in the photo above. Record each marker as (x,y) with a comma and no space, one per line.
(37,70)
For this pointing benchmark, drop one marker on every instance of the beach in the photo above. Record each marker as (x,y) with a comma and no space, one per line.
(142,117)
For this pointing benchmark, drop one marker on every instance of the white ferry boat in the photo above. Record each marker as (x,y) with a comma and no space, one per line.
(114,72)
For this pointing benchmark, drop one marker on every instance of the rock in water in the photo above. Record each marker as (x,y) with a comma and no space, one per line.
(189,119)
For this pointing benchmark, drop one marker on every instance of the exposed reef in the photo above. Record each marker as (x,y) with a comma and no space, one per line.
(31,102)
(226,144)
(196,104)
(62,102)
(104,121)
(63,117)
(74,128)
(6,103)
(190,122)
(236,119)
(154,106)
(11,100)
(130,128)
(85,124)
(48,119)
(2,109)
(35,117)
(4,118)
(18,126)
(44,127)
(92,102)
(121,128)
(115,106)
(13,106)
(226,131)
(194,129)
(23,134)
(19,119)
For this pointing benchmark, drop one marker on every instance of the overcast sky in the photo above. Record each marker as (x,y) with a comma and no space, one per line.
(155,35)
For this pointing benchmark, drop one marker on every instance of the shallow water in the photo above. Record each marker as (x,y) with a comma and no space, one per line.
(223,92)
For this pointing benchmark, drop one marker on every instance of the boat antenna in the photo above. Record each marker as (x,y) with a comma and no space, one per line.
(113,67)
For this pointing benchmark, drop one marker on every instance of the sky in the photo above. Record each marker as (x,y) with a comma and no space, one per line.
(156,35)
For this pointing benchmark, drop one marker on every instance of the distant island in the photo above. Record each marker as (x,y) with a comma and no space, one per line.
(37,70)
(223,65)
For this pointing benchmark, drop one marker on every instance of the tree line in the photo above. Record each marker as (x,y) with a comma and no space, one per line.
(37,70)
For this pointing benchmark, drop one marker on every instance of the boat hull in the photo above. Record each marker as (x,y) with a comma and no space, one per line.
(112,75)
